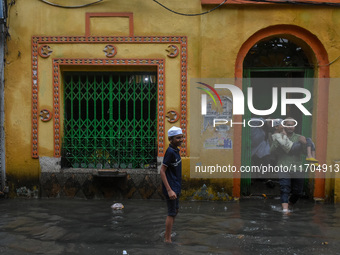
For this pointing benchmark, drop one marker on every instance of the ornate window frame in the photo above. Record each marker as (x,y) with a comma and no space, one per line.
(38,41)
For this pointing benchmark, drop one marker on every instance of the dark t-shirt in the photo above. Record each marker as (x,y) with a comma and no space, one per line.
(172,160)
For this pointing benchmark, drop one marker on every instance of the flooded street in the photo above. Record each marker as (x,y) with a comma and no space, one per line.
(52,226)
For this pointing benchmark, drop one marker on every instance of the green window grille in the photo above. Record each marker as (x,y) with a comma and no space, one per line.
(110,120)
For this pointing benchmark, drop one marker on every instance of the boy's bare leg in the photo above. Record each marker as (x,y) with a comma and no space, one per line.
(311,156)
(285,207)
(309,152)
(168,228)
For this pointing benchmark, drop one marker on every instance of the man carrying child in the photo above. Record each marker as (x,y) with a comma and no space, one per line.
(288,147)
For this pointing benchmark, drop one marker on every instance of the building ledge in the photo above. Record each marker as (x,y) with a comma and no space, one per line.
(103,172)
(304,2)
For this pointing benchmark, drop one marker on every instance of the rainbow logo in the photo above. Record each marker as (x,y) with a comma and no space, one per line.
(209,93)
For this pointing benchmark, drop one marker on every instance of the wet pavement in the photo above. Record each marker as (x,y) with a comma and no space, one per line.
(53,226)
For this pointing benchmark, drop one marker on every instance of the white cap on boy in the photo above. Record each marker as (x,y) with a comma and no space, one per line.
(174,131)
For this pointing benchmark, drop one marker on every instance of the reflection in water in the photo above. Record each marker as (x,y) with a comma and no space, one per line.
(92,227)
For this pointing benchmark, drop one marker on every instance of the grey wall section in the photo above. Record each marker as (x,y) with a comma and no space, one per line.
(96,183)
(2,110)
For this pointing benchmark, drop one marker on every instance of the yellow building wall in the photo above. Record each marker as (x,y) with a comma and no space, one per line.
(224,31)
(214,41)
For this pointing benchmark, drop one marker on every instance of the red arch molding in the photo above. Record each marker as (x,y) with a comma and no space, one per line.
(321,100)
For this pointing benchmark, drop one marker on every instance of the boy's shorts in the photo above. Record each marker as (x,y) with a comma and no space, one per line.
(173,205)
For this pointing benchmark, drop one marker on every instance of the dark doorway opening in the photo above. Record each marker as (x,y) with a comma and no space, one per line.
(286,63)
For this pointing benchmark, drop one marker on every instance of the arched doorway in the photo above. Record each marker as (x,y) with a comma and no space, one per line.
(320,118)
(279,62)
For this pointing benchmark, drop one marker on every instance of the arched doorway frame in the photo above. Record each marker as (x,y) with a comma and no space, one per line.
(322,69)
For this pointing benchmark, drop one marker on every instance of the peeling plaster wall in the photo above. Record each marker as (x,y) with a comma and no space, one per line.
(2,111)
(213,44)
(52,21)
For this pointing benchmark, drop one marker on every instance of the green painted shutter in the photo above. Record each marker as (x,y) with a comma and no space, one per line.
(110,120)
(246,140)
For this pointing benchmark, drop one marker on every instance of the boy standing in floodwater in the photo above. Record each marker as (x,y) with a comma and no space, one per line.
(171,175)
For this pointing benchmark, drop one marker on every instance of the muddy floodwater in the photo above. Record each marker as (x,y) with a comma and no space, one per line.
(52,226)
